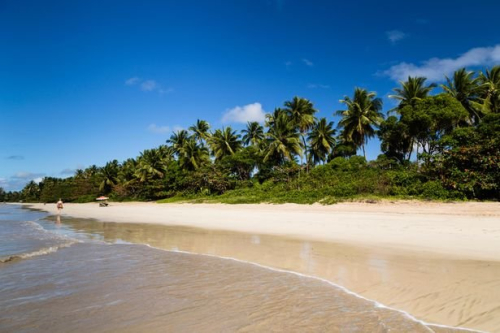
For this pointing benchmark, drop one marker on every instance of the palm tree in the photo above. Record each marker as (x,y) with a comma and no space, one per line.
(200,130)
(79,173)
(153,163)
(31,191)
(301,113)
(322,140)
(109,174)
(224,142)
(128,170)
(253,134)
(91,171)
(411,91)
(362,115)
(283,141)
(193,155)
(465,88)
(178,139)
(271,117)
(490,86)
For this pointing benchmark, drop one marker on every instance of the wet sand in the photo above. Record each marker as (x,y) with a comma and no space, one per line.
(450,284)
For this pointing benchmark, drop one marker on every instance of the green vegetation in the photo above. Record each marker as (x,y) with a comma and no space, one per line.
(444,146)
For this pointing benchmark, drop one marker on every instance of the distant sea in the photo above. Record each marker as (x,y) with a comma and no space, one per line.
(68,275)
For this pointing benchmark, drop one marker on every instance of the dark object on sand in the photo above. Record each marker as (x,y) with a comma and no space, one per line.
(103,201)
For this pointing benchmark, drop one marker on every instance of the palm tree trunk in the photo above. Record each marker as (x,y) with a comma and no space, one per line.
(305,152)
(364,153)
(411,149)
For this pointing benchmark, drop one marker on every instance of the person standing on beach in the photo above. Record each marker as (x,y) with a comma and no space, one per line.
(59,206)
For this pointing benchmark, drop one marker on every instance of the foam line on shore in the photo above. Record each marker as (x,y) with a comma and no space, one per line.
(350,292)
(40,252)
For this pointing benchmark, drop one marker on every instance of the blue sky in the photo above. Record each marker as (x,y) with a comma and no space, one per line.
(85,82)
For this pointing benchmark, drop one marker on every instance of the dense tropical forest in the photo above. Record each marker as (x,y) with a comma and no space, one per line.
(440,142)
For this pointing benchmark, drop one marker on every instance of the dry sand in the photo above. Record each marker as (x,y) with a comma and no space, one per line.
(439,262)
(464,230)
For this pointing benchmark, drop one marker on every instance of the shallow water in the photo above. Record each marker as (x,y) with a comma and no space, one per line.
(102,281)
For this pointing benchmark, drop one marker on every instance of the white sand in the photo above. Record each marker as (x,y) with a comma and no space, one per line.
(463,230)
(439,262)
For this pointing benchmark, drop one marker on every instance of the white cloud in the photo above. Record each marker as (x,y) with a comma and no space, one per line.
(435,69)
(308,62)
(148,85)
(318,85)
(288,64)
(132,81)
(243,114)
(395,36)
(153,128)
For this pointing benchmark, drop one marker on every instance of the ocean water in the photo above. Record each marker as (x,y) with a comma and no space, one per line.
(68,275)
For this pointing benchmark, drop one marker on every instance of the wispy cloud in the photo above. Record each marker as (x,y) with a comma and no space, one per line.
(68,171)
(435,69)
(318,85)
(243,114)
(395,36)
(165,91)
(17,181)
(15,157)
(308,62)
(153,128)
(148,85)
(288,64)
(132,81)
(27,175)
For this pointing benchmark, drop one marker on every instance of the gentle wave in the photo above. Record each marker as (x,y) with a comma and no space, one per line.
(40,252)
(350,292)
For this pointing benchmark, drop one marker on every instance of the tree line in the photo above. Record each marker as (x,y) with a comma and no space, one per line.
(444,145)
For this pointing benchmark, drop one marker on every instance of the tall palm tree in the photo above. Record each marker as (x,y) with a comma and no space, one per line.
(322,140)
(200,130)
(490,86)
(465,88)
(301,113)
(178,139)
(193,155)
(283,141)
(253,134)
(362,116)
(271,117)
(411,91)
(224,142)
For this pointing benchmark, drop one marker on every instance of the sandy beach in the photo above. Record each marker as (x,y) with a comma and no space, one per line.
(463,230)
(440,262)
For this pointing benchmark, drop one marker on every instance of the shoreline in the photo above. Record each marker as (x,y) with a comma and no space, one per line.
(415,257)
(456,230)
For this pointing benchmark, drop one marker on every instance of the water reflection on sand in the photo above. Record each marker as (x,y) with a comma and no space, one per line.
(434,288)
